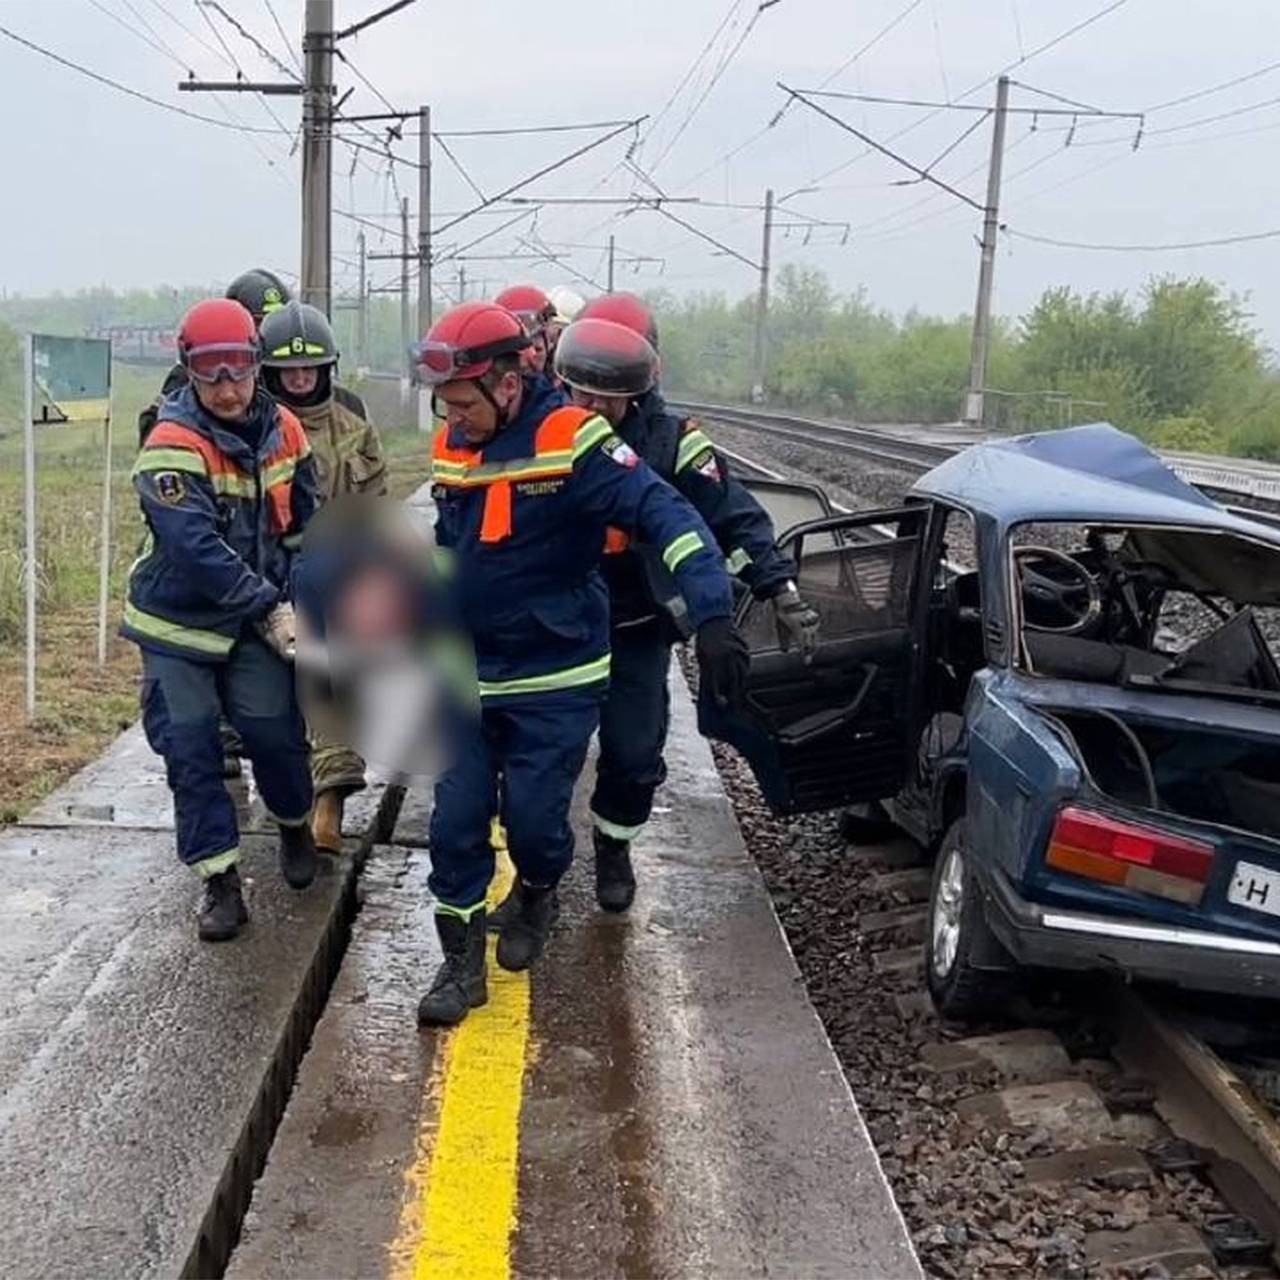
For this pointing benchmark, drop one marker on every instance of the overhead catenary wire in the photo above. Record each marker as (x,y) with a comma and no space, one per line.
(284,39)
(250,37)
(97,76)
(1211,243)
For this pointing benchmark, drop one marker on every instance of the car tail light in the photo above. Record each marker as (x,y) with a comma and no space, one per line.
(1143,858)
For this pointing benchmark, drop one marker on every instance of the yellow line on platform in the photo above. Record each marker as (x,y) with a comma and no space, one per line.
(465,1180)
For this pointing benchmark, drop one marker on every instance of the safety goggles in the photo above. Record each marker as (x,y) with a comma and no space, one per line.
(441,362)
(210,364)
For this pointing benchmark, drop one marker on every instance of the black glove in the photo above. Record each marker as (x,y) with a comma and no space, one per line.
(723,661)
(797,622)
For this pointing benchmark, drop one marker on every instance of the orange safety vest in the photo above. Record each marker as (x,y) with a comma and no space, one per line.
(466,468)
(276,470)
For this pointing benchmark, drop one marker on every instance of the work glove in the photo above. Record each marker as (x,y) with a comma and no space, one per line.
(279,629)
(797,622)
(723,661)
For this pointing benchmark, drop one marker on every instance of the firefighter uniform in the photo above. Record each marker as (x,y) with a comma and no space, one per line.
(634,718)
(525,517)
(224,510)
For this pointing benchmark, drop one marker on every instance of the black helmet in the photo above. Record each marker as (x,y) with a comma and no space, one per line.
(297,336)
(604,358)
(259,291)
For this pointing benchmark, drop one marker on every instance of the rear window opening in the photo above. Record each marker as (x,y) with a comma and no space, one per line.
(1198,773)
(1149,608)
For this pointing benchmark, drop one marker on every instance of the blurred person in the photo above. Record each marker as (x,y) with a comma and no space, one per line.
(300,366)
(566,303)
(524,487)
(226,484)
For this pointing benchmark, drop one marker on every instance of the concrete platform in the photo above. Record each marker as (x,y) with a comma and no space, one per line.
(677,1108)
(141,1071)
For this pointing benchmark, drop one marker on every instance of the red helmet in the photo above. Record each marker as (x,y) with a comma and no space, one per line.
(625,309)
(529,303)
(218,338)
(603,358)
(463,343)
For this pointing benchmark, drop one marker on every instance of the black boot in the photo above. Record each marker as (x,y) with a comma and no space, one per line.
(521,941)
(615,881)
(222,909)
(506,911)
(459,985)
(297,856)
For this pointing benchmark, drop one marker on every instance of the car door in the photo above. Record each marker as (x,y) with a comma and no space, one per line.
(837,730)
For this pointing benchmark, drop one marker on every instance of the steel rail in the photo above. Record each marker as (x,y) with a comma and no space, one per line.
(1241,480)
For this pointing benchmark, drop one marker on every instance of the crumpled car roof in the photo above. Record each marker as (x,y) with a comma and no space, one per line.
(1092,473)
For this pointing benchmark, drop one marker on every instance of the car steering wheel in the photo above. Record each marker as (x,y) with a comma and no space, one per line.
(1077,600)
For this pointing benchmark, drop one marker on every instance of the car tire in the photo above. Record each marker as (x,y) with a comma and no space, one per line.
(957,935)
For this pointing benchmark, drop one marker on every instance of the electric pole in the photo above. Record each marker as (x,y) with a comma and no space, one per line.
(317,155)
(362,310)
(762,306)
(406,338)
(462,283)
(424,252)
(974,402)
(611,255)
(424,220)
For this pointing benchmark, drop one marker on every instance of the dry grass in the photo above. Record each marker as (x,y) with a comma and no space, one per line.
(80,707)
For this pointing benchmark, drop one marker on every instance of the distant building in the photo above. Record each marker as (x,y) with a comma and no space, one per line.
(147,344)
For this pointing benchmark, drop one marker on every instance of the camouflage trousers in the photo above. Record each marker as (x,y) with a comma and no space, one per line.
(335,766)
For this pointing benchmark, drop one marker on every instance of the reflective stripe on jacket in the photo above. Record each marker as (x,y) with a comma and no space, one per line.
(525,517)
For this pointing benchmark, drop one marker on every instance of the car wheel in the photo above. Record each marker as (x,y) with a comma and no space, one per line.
(958,934)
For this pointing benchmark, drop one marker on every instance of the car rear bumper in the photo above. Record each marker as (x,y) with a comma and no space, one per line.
(1058,939)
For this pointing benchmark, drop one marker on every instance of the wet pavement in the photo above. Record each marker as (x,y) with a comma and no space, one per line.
(681,1112)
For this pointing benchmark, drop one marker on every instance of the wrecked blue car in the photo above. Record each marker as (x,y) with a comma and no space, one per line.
(1056,662)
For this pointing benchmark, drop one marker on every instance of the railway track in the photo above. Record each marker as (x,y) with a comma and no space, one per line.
(1250,489)
(1226,1132)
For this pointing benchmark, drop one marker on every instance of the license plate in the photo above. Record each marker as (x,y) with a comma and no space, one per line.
(1255,887)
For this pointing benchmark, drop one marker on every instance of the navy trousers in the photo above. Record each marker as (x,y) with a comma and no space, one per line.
(537,745)
(182,704)
(633,730)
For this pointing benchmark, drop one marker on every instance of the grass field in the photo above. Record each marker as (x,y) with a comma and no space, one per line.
(81,707)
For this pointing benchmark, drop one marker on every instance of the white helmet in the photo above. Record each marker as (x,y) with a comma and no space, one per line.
(567,302)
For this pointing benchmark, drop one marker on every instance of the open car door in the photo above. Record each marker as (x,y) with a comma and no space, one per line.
(838,730)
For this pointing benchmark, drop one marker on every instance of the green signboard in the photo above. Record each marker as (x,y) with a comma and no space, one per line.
(72,378)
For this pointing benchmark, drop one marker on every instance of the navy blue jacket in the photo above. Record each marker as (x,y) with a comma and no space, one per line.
(525,517)
(223,518)
(681,453)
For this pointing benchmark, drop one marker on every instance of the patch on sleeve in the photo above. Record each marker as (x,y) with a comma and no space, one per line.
(620,451)
(170,487)
(705,465)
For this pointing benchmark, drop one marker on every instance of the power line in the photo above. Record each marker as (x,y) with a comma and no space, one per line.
(871,44)
(1144,248)
(1214,88)
(251,38)
(157,44)
(203,11)
(284,39)
(132,93)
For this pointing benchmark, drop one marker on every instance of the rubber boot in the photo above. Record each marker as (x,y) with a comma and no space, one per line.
(459,984)
(222,910)
(521,941)
(615,880)
(326,821)
(297,856)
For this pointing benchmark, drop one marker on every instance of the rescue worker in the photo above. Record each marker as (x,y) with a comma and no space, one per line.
(524,487)
(535,310)
(260,292)
(300,365)
(227,485)
(610,367)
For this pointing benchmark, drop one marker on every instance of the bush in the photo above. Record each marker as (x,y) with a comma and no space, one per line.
(1190,435)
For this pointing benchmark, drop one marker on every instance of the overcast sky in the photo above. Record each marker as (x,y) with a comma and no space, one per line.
(100,188)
